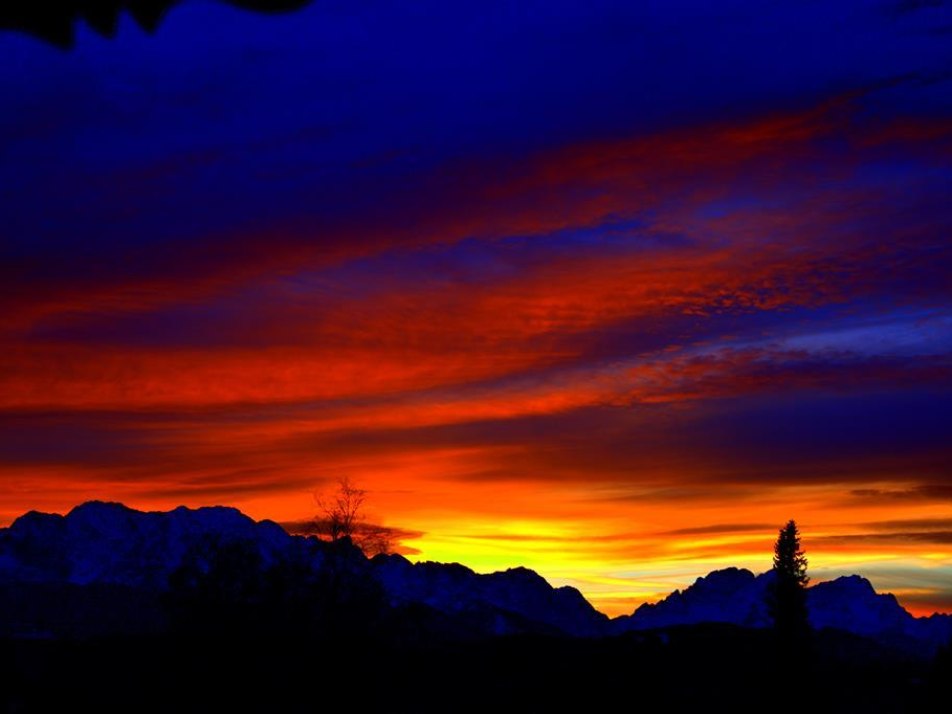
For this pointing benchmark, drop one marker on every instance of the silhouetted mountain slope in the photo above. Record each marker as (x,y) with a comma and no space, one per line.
(732,595)
(519,592)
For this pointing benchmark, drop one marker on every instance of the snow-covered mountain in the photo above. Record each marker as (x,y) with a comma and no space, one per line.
(850,603)
(737,596)
(455,589)
(732,595)
(107,545)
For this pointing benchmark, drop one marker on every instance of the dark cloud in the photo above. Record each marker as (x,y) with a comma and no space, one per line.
(908,6)
(724,528)
(937,537)
(214,484)
(924,492)
(924,524)
(54,21)
(395,537)
(623,537)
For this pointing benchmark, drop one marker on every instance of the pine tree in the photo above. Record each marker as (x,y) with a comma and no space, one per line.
(788,596)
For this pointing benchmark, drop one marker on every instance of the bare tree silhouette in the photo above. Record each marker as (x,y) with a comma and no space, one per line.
(341,515)
(342,511)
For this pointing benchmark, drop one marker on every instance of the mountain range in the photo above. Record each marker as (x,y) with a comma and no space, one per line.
(105,568)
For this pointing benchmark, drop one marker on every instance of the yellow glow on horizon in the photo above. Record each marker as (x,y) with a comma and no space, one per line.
(618,550)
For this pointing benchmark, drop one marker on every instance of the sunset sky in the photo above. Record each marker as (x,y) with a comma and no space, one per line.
(607,289)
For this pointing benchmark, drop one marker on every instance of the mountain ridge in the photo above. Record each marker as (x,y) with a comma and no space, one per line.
(107,544)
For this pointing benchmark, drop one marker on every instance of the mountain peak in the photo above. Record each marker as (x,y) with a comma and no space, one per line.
(726,578)
(110,543)
(730,573)
(103,507)
(855,583)
(733,595)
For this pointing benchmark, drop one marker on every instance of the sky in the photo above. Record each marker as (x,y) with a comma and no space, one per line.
(611,290)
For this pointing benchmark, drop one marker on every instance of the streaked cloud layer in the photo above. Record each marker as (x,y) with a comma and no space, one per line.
(605,289)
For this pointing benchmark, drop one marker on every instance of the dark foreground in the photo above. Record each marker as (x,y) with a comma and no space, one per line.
(699,668)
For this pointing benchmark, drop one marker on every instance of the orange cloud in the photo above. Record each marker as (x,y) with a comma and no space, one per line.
(560,411)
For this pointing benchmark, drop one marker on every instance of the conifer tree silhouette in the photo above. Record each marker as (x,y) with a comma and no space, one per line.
(788,596)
